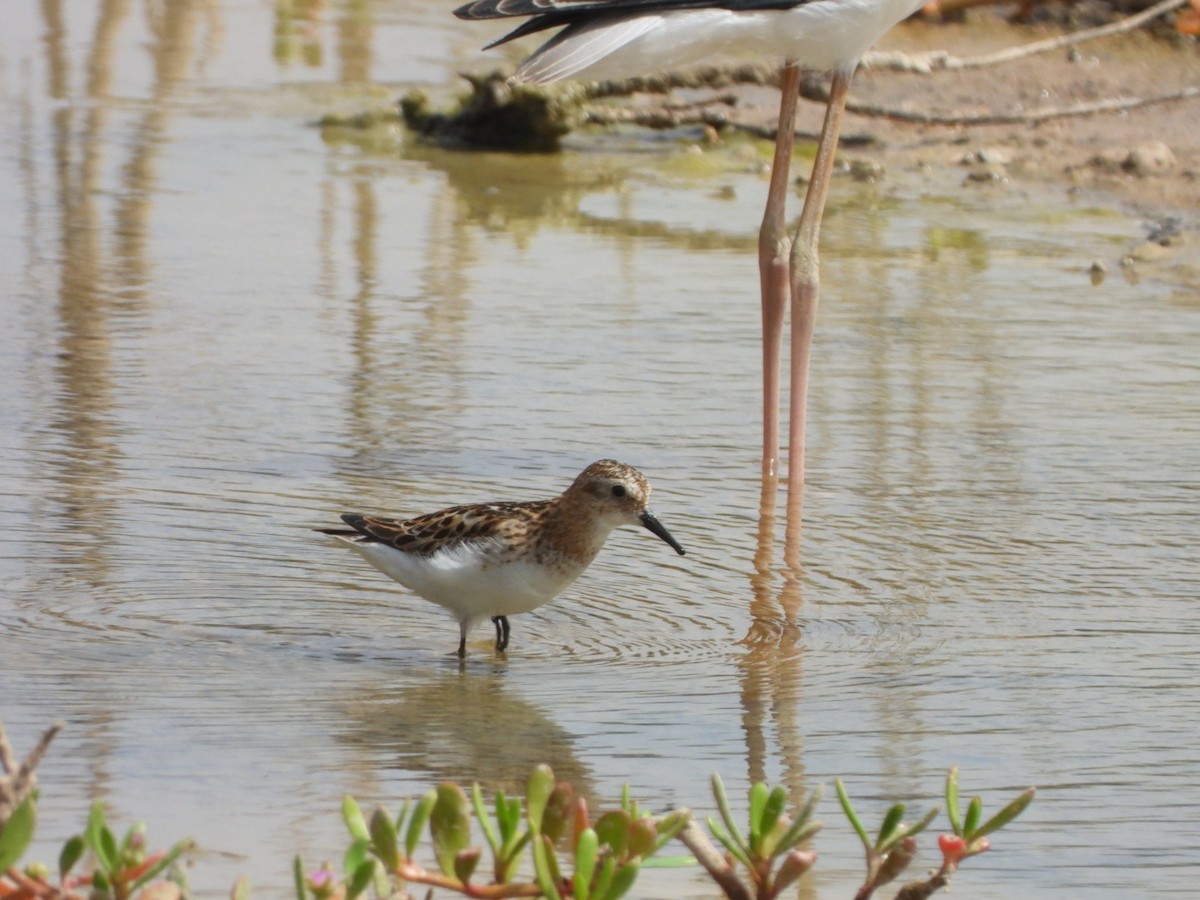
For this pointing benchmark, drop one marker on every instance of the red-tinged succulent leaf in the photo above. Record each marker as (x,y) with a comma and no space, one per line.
(465,862)
(612,829)
(559,812)
(642,837)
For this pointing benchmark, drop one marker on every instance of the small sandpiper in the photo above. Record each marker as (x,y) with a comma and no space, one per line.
(499,559)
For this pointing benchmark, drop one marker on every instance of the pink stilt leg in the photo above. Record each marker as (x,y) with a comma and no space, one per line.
(805,285)
(774,247)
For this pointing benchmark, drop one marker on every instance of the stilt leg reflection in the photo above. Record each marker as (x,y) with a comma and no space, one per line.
(773,610)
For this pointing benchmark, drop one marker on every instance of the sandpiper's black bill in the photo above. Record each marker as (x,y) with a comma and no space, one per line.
(652,524)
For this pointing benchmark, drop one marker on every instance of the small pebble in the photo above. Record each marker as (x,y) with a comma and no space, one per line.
(987,175)
(997,156)
(1150,158)
(866,170)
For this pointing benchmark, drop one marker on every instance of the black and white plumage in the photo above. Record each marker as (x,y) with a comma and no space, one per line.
(605,39)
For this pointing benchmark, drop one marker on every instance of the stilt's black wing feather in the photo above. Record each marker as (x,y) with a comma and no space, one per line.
(559,12)
(552,13)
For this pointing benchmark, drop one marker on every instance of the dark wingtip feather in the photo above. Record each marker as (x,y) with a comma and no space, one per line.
(477,9)
(356,522)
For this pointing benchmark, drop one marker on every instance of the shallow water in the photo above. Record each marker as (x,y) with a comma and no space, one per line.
(220,331)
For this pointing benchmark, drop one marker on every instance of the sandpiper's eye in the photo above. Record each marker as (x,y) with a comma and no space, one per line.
(618,490)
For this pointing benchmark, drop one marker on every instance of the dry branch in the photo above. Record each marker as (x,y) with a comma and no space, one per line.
(19,779)
(817,91)
(941,59)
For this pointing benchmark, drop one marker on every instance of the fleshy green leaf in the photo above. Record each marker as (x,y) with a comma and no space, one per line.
(513,855)
(357,853)
(802,828)
(508,817)
(810,804)
(952,801)
(382,834)
(72,852)
(99,839)
(733,835)
(891,821)
(1006,815)
(420,816)
(627,802)
(608,868)
(798,835)
(17,833)
(541,783)
(586,851)
(360,878)
(484,820)
(772,810)
(545,868)
(971,822)
(402,815)
(298,878)
(758,802)
(848,809)
(241,889)
(354,820)
(450,825)
(622,881)
(682,861)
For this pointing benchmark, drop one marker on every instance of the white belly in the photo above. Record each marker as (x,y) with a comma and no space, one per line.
(822,35)
(464,582)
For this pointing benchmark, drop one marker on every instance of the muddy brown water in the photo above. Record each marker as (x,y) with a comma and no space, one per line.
(220,331)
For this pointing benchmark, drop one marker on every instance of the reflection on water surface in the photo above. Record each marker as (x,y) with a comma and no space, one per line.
(221,332)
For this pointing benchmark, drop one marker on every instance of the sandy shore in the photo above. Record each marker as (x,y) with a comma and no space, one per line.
(1146,160)
(1089,151)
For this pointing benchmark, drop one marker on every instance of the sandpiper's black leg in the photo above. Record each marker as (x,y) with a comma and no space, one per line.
(462,641)
(502,630)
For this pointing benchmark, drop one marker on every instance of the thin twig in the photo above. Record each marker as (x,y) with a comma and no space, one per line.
(666,117)
(933,60)
(19,779)
(658,118)
(817,91)
(8,759)
(1065,40)
(413,873)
